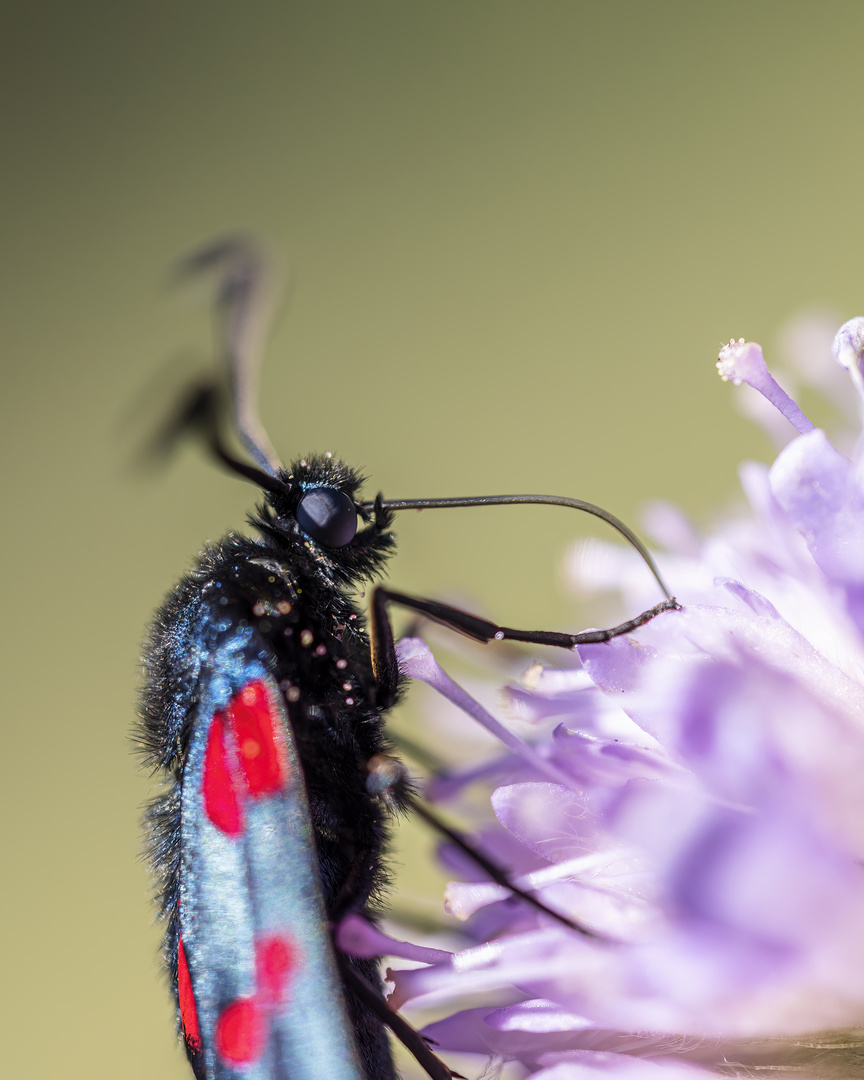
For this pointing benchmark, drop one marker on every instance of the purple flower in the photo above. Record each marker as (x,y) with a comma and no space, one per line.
(695,801)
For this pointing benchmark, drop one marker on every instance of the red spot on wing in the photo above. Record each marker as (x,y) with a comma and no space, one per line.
(276,960)
(255,729)
(240,1032)
(188,1011)
(221,799)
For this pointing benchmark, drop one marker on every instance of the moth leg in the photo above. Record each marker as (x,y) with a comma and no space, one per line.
(482,630)
(409,1036)
(494,871)
(388,777)
(385,666)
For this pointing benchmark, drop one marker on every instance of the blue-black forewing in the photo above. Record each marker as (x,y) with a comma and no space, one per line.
(257,982)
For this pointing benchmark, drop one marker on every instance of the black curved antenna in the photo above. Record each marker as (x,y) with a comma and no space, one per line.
(244,302)
(543,500)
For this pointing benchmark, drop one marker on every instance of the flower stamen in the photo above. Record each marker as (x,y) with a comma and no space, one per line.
(848,349)
(742,361)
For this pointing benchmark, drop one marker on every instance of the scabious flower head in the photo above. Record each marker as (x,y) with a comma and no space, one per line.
(697,803)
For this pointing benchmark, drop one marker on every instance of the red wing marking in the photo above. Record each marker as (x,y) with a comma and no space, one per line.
(254,722)
(241,1028)
(240,1032)
(250,720)
(188,1012)
(221,802)
(276,960)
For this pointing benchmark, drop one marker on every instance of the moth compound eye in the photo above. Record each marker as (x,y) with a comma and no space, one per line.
(328,516)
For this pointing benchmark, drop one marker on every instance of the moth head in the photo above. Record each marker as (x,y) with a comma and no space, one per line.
(315,510)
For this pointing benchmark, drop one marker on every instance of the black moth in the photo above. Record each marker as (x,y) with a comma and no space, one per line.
(263,707)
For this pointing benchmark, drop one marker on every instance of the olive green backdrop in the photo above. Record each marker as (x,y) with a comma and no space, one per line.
(518,233)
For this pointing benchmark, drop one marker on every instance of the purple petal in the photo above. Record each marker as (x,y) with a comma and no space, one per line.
(821,494)
(551,820)
(534,1030)
(536,1015)
(586,1065)
(416,660)
(616,666)
(593,762)
(757,603)
(358,937)
(465,1033)
(474,1031)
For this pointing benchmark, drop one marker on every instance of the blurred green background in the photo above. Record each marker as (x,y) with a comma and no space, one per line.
(518,233)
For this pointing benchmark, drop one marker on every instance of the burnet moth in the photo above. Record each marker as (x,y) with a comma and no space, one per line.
(263,710)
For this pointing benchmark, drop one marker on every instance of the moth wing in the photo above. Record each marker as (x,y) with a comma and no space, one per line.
(260,998)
